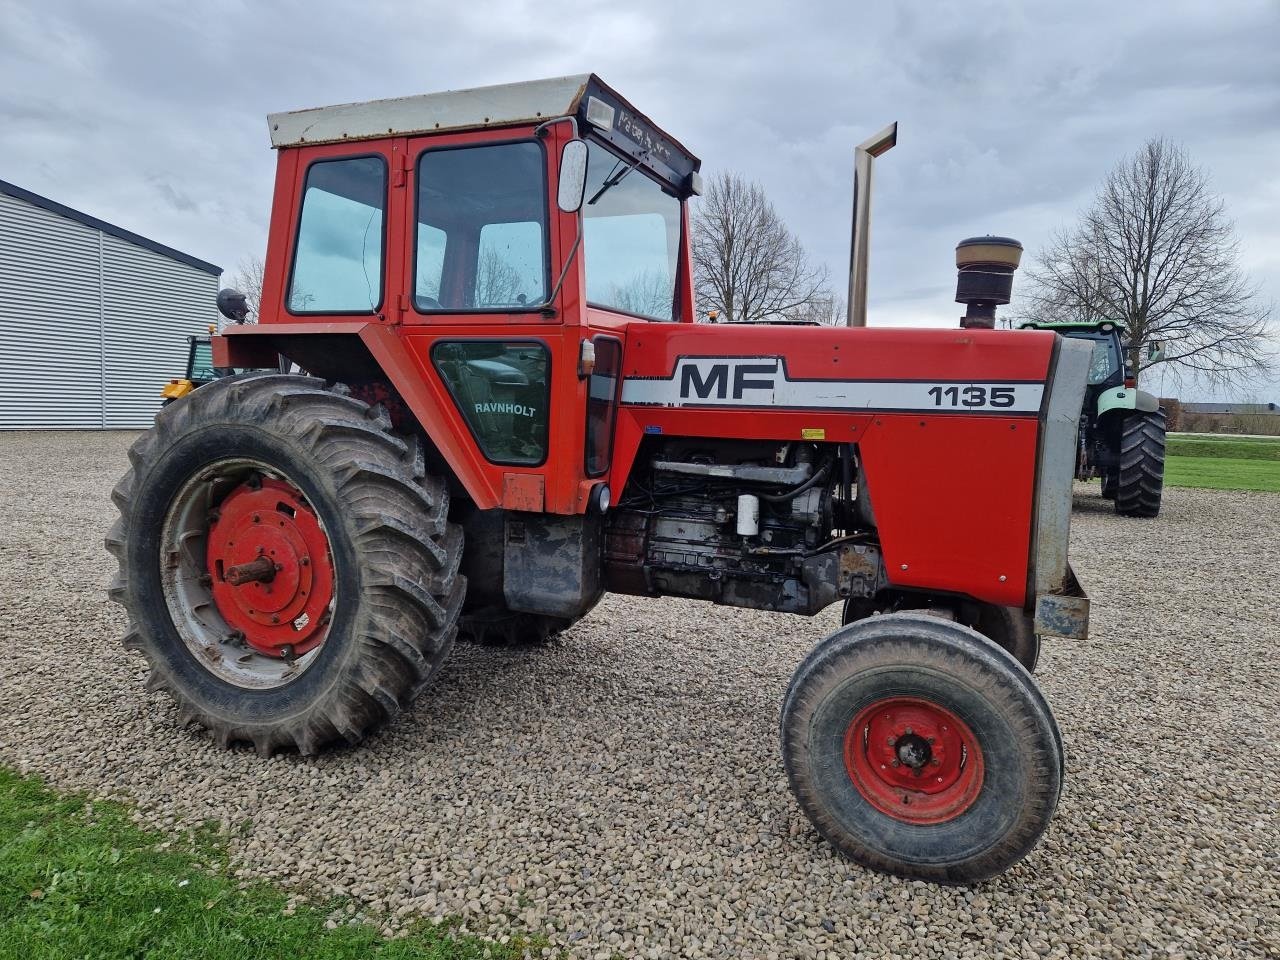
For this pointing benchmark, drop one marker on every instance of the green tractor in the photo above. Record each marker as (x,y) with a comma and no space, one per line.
(1122,428)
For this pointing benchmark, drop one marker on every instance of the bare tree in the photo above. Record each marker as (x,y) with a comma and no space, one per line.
(1157,253)
(248,280)
(826,310)
(747,265)
(498,282)
(648,293)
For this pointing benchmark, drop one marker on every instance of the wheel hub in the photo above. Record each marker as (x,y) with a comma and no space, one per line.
(270,566)
(913,760)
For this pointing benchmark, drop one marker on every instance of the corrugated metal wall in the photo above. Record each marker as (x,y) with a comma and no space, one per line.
(90,325)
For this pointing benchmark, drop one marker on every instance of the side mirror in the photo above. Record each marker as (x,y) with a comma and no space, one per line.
(1155,351)
(573,176)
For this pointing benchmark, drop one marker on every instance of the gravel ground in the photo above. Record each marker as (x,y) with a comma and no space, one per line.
(622,791)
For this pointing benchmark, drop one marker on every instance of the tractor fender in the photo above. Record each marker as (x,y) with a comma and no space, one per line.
(1126,398)
(366,350)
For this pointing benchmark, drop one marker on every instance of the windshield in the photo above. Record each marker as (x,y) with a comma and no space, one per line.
(631,239)
(1106,360)
(201,361)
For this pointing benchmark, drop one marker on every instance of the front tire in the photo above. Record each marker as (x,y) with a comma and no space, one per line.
(917,747)
(288,569)
(1140,480)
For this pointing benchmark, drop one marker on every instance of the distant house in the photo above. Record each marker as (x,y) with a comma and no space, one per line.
(1238,409)
(93,318)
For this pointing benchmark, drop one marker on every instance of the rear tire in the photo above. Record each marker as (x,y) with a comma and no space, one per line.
(353,502)
(970,815)
(1140,479)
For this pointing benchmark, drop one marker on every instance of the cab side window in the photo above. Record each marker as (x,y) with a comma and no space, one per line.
(337,260)
(481,228)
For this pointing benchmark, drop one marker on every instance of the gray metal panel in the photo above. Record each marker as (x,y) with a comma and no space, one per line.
(1058,465)
(495,106)
(151,304)
(91,325)
(50,369)
(53,206)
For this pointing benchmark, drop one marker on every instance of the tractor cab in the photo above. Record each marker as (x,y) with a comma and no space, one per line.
(489,184)
(1108,366)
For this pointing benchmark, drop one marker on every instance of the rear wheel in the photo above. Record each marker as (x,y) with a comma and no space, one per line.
(919,748)
(1140,478)
(287,567)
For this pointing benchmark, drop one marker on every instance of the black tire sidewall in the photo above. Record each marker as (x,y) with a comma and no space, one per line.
(182,460)
(966,837)
(1015,802)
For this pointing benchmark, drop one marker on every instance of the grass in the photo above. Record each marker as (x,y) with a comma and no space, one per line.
(1223,463)
(80,879)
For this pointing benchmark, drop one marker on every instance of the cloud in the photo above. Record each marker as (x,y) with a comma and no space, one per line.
(1011,113)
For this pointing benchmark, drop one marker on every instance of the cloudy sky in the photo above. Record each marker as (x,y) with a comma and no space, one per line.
(151,115)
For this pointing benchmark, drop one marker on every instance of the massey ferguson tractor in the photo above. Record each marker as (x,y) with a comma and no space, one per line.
(510,410)
(1122,428)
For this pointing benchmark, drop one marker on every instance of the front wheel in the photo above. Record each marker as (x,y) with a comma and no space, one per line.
(917,747)
(1140,480)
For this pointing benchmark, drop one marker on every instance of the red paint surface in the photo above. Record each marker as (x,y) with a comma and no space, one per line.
(952,492)
(275,522)
(942,789)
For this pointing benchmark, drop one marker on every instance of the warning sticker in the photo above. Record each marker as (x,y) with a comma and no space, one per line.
(813,433)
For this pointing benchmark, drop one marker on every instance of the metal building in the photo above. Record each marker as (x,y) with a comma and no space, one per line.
(93,318)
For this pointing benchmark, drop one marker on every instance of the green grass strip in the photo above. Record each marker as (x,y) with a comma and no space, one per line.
(1224,449)
(80,879)
(1216,473)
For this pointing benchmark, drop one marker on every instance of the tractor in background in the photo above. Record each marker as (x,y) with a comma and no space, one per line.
(1122,428)
(511,410)
(200,370)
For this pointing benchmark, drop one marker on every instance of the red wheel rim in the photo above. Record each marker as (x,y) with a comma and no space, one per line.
(271,568)
(913,760)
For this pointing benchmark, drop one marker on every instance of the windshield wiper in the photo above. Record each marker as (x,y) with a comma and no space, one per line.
(612,181)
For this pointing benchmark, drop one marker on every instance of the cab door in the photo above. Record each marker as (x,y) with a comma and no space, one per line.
(482,248)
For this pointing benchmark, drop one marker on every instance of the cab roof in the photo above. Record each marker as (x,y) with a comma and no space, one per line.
(597,107)
(1064,325)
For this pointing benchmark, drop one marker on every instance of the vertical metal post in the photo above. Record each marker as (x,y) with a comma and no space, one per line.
(102,337)
(859,242)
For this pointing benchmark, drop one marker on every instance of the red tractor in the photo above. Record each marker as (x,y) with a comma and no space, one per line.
(511,410)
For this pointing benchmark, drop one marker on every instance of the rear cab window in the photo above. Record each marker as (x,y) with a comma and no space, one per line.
(338,254)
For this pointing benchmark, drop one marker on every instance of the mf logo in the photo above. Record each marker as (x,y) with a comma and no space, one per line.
(734,379)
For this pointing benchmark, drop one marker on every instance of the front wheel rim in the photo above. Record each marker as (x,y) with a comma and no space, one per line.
(913,760)
(253,627)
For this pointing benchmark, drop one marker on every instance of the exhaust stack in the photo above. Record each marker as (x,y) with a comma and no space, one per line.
(985,281)
(863,154)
